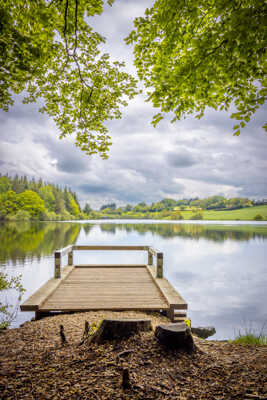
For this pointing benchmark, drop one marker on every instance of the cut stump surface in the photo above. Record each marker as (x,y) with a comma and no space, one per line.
(118,328)
(176,335)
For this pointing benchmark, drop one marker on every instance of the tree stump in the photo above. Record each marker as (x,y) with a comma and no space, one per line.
(177,336)
(119,328)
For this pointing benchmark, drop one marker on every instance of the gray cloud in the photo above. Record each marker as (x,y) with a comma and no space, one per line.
(181,159)
(93,188)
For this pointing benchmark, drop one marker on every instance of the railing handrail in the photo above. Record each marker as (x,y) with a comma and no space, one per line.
(69,250)
(110,247)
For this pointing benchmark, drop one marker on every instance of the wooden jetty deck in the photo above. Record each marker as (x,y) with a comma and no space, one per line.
(107,287)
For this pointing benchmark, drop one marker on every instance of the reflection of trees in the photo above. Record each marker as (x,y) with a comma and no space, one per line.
(87,228)
(28,240)
(217,233)
(108,228)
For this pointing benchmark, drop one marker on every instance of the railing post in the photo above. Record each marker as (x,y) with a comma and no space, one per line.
(70,258)
(57,265)
(159,265)
(150,257)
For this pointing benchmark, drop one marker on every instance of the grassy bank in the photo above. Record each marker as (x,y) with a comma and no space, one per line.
(243,214)
(251,340)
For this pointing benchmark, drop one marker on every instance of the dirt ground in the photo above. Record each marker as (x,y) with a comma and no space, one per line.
(35,365)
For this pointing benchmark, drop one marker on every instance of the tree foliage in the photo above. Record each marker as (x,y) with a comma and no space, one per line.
(32,203)
(49,50)
(46,193)
(7,312)
(37,200)
(206,53)
(5,184)
(87,209)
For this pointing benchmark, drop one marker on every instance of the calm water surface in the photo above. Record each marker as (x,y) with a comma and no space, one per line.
(219,268)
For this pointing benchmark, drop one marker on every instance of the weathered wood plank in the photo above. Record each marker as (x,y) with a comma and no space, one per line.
(65,250)
(107,288)
(173,298)
(153,251)
(109,248)
(110,266)
(105,307)
(33,302)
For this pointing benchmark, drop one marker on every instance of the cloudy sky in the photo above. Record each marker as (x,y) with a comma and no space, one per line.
(186,159)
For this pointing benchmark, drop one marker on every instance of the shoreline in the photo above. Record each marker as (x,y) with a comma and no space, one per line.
(34,364)
(142,219)
(257,214)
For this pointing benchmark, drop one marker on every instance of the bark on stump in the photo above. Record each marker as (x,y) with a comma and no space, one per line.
(176,336)
(119,328)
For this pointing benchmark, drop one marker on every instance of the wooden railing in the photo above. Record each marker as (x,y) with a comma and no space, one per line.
(69,251)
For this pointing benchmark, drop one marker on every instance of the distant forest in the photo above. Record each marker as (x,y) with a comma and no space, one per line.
(213,207)
(194,204)
(22,198)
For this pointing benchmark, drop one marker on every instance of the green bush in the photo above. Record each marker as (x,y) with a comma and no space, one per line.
(50,216)
(8,312)
(258,217)
(22,215)
(197,216)
(66,216)
(176,216)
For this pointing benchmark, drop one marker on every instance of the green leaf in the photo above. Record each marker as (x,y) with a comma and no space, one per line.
(80,88)
(199,54)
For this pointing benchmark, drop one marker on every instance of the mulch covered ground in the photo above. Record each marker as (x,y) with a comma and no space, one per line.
(35,365)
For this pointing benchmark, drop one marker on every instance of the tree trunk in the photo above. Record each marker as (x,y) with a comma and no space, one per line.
(119,328)
(176,336)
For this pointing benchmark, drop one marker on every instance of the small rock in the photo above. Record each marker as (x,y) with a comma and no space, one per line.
(204,331)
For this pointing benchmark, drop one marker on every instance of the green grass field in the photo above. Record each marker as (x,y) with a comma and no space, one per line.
(243,214)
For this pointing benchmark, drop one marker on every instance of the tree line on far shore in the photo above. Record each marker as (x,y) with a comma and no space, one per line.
(176,209)
(22,198)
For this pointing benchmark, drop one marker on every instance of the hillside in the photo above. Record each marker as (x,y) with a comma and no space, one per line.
(243,214)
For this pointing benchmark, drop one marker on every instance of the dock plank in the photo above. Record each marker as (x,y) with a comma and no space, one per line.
(97,288)
(105,287)
(33,303)
(174,299)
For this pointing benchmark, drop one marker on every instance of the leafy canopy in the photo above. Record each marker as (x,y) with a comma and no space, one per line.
(196,54)
(49,51)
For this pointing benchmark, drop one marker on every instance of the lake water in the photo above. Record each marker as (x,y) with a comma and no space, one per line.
(220,268)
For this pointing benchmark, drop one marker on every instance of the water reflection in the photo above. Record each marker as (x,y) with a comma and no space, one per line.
(21,241)
(26,249)
(219,269)
(217,233)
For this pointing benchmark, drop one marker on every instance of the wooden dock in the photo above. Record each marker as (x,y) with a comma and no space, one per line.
(77,288)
